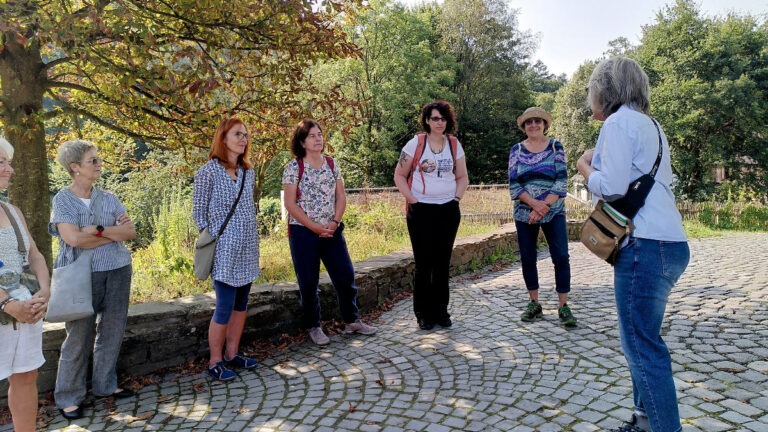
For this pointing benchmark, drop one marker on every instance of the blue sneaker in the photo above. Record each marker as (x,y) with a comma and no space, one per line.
(241,361)
(220,372)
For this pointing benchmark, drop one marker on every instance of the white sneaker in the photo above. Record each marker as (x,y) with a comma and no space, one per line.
(359,327)
(318,337)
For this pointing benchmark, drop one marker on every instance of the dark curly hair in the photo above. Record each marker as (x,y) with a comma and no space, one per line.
(445,109)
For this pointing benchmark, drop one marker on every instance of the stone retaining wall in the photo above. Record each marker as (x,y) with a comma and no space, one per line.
(163,334)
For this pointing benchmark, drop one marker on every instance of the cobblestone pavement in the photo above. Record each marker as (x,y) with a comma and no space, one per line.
(491,372)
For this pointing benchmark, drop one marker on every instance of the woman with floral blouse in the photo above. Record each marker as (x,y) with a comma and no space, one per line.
(315,201)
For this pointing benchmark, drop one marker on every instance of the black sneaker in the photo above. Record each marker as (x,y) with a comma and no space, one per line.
(532,312)
(425,325)
(566,316)
(445,321)
(629,426)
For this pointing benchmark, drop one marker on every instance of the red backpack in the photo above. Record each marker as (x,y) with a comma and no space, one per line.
(300,161)
(420,146)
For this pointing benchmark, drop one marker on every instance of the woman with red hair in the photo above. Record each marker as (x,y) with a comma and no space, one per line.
(224,185)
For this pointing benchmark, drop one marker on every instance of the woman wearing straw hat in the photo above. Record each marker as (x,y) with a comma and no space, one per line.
(537,184)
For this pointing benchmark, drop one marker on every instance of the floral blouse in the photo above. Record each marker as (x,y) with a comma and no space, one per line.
(317,190)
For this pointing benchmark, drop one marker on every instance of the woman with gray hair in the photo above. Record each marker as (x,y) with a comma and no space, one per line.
(78,228)
(655,256)
(21,311)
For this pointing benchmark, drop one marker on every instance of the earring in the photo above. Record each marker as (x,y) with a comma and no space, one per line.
(77,172)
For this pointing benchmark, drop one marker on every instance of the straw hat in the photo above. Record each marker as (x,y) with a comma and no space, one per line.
(534,112)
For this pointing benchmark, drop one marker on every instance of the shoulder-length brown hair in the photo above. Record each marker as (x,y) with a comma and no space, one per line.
(219,149)
(445,109)
(300,134)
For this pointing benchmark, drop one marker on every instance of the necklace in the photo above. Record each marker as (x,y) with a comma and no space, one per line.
(433,150)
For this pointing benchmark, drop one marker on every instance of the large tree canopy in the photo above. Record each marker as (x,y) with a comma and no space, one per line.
(491,52)
(709,79)
(157,71)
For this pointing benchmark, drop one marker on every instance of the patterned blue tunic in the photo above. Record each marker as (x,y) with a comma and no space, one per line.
(237,253)
(539,174)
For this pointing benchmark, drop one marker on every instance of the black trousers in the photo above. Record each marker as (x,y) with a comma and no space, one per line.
(432,228)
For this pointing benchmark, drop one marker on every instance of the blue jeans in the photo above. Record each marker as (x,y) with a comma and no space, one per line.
(307,250)
(556,233)
(644,275)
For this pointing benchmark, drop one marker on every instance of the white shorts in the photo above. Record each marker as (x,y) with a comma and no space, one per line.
(22,348)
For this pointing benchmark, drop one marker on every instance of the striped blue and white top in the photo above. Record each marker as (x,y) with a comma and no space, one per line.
(69,208)
(236,261)
(539,174)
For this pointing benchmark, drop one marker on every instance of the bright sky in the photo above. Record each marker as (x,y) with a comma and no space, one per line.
(573,31)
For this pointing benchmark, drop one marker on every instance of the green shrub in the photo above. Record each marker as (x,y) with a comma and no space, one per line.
(270,220)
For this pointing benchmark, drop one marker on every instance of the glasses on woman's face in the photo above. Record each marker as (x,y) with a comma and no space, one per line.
(94,161)
(438,119)
(241,135)
(531,121)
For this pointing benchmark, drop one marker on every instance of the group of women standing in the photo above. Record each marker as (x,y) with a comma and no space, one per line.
(649,263)
(432,176)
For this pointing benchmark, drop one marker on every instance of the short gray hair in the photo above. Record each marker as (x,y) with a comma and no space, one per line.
(6,147)
(619,81)
(73,152)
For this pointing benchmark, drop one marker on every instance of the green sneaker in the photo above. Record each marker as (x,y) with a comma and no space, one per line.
(532,312)
(566,316)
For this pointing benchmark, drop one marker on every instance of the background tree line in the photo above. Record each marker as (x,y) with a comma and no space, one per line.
(149,80)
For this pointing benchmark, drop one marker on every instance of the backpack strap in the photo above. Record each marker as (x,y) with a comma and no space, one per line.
(300,161)
(454,147)
(19,239)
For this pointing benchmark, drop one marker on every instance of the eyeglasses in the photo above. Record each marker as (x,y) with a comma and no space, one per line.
(242,135)
(438,119)
(531,121)
(94,161)
(5,163)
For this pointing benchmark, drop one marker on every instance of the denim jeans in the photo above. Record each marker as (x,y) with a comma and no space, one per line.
(645,272)
(111,292)
(556,233)
(432,229)
(307,250)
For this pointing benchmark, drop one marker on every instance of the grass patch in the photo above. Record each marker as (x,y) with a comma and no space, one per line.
(696,229)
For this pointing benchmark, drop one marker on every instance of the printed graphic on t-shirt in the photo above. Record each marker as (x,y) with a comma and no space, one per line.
(439,167)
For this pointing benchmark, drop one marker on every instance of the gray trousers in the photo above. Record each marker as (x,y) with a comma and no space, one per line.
(111,292)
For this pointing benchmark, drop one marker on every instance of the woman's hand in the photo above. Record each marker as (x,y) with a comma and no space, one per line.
(321,230)
(535,217)
(584,164)
(540,207)
(27,311)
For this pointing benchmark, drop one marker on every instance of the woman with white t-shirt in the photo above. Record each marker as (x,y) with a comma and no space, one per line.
(438,180)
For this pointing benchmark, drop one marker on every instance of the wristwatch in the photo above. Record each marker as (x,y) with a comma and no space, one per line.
(99,230)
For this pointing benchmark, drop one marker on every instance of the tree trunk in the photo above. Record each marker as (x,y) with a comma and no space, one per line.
(23,80)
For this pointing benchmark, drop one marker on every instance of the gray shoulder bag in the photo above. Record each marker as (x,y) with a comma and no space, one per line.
(71,285)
